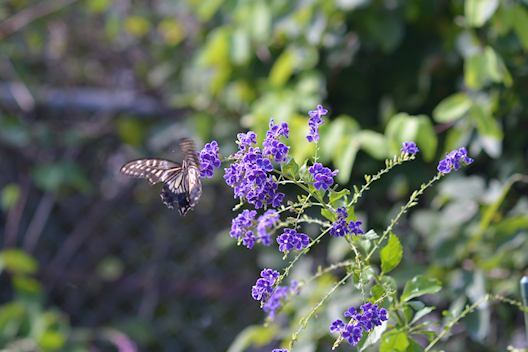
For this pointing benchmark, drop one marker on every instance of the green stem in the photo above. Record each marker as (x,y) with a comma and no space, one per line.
(390,163)
(410,203)
(304,321)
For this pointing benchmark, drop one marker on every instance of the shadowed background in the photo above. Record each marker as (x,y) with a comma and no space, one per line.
(93,260)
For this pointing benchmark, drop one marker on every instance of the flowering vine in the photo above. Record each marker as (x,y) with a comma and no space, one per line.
(256,174)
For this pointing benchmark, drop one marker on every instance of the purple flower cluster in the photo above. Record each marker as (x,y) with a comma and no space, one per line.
(209,159)
(291,239)
(316,119)
(243,227)
(263,288)
(265,222)
(323,176)
(273,303)
(272,146)
(250,175)
(279,350)
(271,297)
(409,148)
(362,320)
(341,227)
(454,160)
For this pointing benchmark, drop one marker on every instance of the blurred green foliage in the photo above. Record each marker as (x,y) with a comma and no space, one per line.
(443,73)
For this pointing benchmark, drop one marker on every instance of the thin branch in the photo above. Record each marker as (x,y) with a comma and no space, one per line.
(20,20)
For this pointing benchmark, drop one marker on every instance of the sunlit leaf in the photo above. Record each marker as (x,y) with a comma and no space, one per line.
(452,108)
(394,341)
(419,286)
(391,254)
(477,12)
(17,262)
(10,196)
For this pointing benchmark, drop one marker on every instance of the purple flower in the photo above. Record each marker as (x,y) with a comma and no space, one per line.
(352,333)
(246,140)
(341,227)
(354,227)
(274,302)
(364,319)
(241,228)
(272,146)
(337,326)
(279,350)
(314,122)
(209,159)
(264,223)
(409,148)
(291,239)
(323,176)
(454,160)
(250,177)
(263,288)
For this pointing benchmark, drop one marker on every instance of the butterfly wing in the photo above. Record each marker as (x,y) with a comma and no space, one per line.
(154,170)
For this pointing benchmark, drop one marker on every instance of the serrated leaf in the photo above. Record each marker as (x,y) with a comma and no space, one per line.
(391,254)
(452,108)
(420,285)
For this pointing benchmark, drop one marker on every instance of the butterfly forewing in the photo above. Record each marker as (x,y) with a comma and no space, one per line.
(154,170)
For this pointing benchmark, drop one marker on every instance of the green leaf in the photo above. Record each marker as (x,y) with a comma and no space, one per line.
(485,67)
(328,214)
(10,195)
(422,313)
(344,160)
(391,254)
(477,12)
(291,168)
(394,341)
(486,124)
(253,336)
(26,285)
(418,286)
(452,108)
(373,143)
(282,69)
(414,346)
(137,26)
(17,262)
(426,138)
(51,340)
(520,24)
(374,336)
(335,196)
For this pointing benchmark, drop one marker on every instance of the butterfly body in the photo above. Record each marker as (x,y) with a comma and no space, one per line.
(182,186)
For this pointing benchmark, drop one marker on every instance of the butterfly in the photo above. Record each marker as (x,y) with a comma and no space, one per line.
(182,186)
